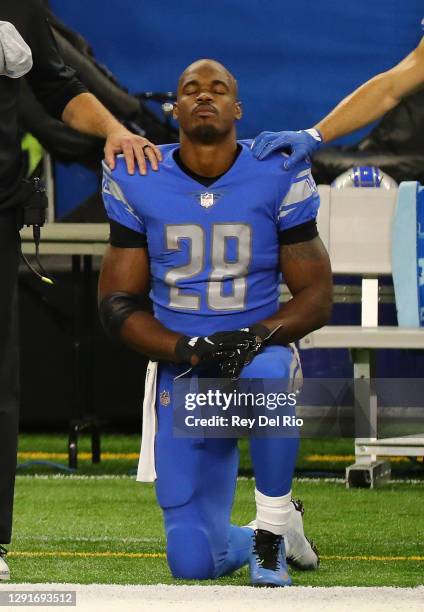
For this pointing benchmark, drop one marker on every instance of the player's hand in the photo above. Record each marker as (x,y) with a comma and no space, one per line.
(302,144)
(214,349)
(135,149)
(233,362)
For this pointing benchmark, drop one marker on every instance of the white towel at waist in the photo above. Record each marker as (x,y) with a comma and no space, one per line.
(146,463)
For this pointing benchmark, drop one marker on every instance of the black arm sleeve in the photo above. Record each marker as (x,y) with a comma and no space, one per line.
(124,237)
(299,233)
(53,83)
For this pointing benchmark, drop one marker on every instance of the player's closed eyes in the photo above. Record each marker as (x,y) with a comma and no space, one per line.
(195,91)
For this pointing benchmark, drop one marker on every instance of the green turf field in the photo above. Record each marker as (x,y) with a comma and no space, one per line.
(120,453)
(109,530)
(100,526)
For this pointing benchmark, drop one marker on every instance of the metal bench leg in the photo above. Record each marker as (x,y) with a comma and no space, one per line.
(95,443)
(73,446)
(367,471)
(83,420)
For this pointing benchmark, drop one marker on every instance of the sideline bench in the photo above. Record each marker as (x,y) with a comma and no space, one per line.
(356,226)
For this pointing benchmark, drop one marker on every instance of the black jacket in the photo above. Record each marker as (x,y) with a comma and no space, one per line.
(53,83)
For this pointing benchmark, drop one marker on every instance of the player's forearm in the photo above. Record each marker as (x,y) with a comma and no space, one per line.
(375,97)
(366,104)
(310,309)
(85,113)
(145,334)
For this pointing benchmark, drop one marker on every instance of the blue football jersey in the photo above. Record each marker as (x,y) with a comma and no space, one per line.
(214,251)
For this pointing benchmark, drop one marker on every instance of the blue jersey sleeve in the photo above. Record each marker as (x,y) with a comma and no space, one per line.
(117,189)
(298,200)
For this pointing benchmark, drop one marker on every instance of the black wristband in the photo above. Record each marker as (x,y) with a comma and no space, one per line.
(183,351)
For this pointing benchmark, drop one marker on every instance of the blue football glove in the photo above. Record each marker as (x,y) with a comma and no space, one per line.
(302,145)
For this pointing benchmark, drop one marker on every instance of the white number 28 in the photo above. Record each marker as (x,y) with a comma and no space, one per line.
(221,268)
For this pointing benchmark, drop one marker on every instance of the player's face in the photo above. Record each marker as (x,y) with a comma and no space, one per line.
(207,107)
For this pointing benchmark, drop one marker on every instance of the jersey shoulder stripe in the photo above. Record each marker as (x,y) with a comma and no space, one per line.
(301,189)
(117,205)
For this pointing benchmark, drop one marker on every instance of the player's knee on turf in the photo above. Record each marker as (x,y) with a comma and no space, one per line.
(189,554)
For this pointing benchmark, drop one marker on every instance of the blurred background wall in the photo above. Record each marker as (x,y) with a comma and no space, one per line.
(293,60)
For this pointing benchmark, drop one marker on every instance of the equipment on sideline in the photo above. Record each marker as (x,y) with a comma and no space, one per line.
(364,176)
(34,214)
(368,254)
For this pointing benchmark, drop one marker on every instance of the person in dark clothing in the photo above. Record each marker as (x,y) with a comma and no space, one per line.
(27,48)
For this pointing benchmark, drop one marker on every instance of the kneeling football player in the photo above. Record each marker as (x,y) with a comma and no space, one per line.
(209,235)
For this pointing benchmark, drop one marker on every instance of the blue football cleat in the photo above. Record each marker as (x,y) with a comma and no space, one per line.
(268,566)
(301,552)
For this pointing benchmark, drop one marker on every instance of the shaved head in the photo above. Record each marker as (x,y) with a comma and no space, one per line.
(207,106)
(213,65)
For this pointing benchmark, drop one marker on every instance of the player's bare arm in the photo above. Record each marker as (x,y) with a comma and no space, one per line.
(366,104)
(375,97)
(125,272)
(86,113)
(307,273)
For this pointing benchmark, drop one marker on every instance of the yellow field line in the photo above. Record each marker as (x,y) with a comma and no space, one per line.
(43,456)
(129,555)
(335,458)
(369,558)
(329,458)
(60,553)
(85,456)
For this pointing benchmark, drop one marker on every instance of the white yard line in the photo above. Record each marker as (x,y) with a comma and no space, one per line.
(315,481)
(158,598)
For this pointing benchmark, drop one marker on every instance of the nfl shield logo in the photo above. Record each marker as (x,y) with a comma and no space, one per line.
(206,200)
(165,398)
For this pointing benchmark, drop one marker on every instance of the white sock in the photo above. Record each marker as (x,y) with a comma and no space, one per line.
(272,513)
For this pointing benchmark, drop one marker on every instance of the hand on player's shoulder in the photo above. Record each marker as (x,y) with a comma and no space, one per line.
(274,164)
(120,172)
(302,165)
